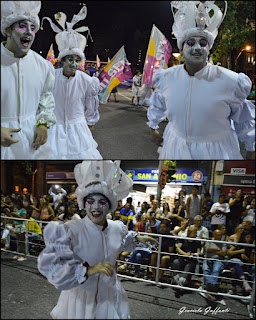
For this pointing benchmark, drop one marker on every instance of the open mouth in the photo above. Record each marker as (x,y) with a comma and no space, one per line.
(25,42)
(96,214)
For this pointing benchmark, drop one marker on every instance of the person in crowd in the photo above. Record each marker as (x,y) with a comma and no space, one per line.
(166,212)
(219,212)
(116,215)
(193,204)
(114,92)
(168,246)
(248,214)
(177,214)
(202,232)
(183,198)
(206,215)
(46,211)
(74,91)
(247,225)
(35,208)
(136,83)
(7,228)
(181,230)
(57,193)
(126,216)
(207,198)
(154,208)
(137,208)
(187,249)
(129,200)
(248,257)
(143,210)
(223,230)
(237,205)
(213,266)
(34,230)
(212,92)
(69,212)
(236,236)
(72,195)
(140,226)
(27,107)
(153,222)
(80,255)
(119,205)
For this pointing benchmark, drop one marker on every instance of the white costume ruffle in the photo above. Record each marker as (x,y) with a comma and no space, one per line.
(200,110)
(71,137)
(71,244)
(26,98)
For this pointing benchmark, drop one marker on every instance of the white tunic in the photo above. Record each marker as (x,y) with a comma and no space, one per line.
(71,137)
(200,109)
(26,98)
(71,244)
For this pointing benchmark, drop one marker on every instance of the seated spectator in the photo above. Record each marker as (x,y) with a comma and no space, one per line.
(20,229)
(143,210)
(34,230)
(138,208)
(207,198)
(72,195)
(183,198)
(69,212)
(116,215)
(126,215)
(187,249)
(248,227)
(206,215)
(35,208)
(177,214)
(202,232)
(238,233)
(168,246)
(8,227)
(46,211)
(223,230)
(212,268)
(248,214)
(141,225)
(166,212)
(219,211)
(153,222)
(181,230)
(154,208)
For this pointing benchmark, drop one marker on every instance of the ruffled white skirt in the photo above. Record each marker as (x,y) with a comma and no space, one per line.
(73,141)
(223,146)
(24,148)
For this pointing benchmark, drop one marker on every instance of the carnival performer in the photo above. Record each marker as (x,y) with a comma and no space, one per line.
(80,255)
(205,104)
(27,101)
(74,92)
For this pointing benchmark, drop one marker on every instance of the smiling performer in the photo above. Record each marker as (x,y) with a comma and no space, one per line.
(74,92)
(27,82)
(205,104)
(80,255)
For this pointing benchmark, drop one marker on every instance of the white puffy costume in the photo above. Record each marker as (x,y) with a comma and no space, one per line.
(207,112)
(26,88)
(76,97)
(71,246)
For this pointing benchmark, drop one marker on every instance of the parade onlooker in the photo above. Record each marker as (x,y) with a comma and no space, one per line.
(177,214)
(46,211)
(143,210)
(248,214)
(202,232)
(193,204)
(116,215)
(126,216)
(72,195)
(57,194)
(166,212)
(20,229)
(181,230)
(34,230)
(35,208)
(206,215)
(154,208)
(140,226)
(69,212)
(153,222)
(136,83)
(207,198)
(114,92)
(223,230)
(237,206)
(219,212)
(26,107)
(183,198)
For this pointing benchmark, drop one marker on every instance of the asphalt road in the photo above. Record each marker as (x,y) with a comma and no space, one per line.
(26,294)
(122,132)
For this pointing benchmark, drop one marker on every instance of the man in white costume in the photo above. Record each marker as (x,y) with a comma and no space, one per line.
(27,81)
(74,91)
(80,255)
(136,82)
(205,104)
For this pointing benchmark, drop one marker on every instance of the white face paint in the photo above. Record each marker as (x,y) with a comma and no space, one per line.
(70,65)
(20,38)
(196,51)
(97,207)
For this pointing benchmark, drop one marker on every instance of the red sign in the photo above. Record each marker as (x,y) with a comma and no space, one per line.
(197,176)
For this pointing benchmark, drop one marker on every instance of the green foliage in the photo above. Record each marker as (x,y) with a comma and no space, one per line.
(237,30)
(170,164)
(27,167)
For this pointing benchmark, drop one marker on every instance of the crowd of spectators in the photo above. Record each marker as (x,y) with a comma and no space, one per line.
(179,224)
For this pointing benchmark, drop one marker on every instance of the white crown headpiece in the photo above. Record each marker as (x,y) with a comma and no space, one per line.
(13,11)
(101,176)
(196,18)
(70,41)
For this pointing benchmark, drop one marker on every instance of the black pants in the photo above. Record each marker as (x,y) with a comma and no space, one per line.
(184,264)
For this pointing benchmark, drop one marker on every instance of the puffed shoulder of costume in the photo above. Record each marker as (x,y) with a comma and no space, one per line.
(157,77)
(57,234)
(243,88)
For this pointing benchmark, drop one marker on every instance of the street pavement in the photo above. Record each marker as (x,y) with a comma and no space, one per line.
(26,294)
(122,132)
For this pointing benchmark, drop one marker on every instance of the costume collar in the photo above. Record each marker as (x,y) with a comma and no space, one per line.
(9,53)
(199,74)
(94,225)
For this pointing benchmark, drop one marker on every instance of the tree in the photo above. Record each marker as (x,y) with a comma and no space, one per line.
(236,31)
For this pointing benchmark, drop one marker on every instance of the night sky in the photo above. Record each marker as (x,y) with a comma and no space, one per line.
(112,24)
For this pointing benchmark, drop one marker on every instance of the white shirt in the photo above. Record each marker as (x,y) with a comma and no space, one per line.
(200,109)
(57,197)
(68,246)
(26,98)
(250,216)
(219,218)
(136,80)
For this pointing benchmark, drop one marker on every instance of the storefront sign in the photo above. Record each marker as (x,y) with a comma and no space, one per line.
(238,171)
(181,175)
(59,175)
(239,180)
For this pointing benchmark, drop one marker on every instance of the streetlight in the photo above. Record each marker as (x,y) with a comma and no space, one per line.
(247,48)
(176,55)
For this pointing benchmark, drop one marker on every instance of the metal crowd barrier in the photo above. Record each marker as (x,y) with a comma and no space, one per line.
(250,298)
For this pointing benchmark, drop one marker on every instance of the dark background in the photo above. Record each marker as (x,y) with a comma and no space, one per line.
(112,24)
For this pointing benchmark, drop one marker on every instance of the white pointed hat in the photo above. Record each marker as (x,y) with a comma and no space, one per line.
(70,41)
(13,11)
(104,177)
(196,18)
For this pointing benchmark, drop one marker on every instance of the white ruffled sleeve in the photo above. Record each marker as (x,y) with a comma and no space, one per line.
(57,262)
(45,114)
(157,109)
(243,112)
(92,102)
(129,241)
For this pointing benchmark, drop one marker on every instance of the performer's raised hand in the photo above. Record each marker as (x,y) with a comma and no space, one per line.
(6,136)
(156,137)
(40,136)
(103,267)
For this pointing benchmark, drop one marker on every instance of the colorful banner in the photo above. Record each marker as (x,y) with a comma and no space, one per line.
(50,55)
(113,74)
(98,63)
(158,55)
